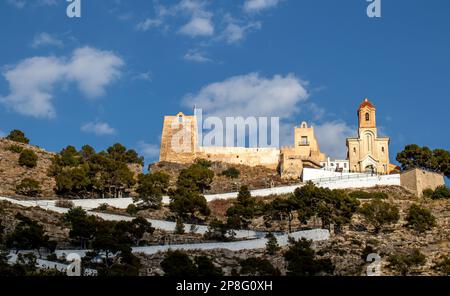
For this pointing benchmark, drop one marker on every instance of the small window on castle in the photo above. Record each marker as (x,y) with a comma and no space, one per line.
(367,117)
(345,165)
(354,150)
(382,149)
(304,141)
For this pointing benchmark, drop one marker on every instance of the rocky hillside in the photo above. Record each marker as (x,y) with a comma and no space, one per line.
(348,250)
(254,177)
(51,221)
(11,173)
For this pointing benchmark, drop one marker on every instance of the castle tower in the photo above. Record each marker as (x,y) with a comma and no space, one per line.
(306,144)
(368,152)
(179,139)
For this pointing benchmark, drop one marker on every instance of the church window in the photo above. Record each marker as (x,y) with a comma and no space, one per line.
(367,117)
(369,142)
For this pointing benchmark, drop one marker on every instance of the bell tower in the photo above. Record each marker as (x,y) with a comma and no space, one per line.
(367,115)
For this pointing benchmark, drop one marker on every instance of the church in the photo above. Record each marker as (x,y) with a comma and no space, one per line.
(368,152)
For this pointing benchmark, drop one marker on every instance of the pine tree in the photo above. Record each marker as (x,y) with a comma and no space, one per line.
(179,227)
(272,244)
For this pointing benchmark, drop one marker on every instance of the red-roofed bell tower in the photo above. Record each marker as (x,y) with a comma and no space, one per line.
(367,115)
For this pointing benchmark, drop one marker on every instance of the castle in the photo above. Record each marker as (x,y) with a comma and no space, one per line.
(181,143)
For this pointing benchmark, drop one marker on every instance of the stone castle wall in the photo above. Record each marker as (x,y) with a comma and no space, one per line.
(268,157)
(418,180)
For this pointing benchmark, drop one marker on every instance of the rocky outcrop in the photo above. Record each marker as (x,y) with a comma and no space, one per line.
(257,177)
(11,173)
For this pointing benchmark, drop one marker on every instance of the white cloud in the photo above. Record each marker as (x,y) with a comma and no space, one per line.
(198,26)
(98,128)
(199,19)
(259,5)
(45,39)
(149,150)
(149,23)
(145,76)
(22,3)
(251,95)
(235,32)
(317,111)
(32,81)
(17,3)
(282,96)
(197,56)
(332,136)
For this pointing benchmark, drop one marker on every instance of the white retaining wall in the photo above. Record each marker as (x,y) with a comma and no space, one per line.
(314,235)
(314,174)
(365,182)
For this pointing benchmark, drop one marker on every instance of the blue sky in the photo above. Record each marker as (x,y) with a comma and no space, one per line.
(111,75)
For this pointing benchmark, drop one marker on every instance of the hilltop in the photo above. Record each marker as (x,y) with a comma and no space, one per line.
(11,173)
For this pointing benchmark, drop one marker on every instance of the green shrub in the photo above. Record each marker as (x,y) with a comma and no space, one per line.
(379,213)
(28,187)
(28,158)
(428,193)
(232,173)
(443,266)
(206,267)
(18,136)
(441,192)
(178,264)
(15,148)
(64,203)
(103,207)
(258,267)
(132,209)
(217,230)
(360,194)
(404,262)
(203,163)
(420,219)
(302,260)
(379,195)
(368,195)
